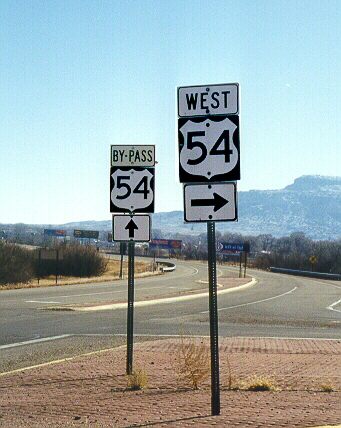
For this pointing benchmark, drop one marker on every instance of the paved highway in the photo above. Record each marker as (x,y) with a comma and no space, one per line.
(277,306)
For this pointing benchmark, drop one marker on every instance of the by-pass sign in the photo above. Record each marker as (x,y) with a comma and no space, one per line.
(136,155)
(209,99)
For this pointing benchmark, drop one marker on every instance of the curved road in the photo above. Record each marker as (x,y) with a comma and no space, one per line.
(278,305)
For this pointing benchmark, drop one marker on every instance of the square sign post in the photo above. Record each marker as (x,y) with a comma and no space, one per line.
(209,163)
(131,192)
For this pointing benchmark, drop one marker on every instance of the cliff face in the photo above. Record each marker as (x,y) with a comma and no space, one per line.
(312,204)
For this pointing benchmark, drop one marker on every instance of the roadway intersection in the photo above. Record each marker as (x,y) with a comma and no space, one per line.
(277,306)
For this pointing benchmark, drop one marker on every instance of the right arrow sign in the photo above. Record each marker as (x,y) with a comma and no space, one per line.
(216,202)
(205,202)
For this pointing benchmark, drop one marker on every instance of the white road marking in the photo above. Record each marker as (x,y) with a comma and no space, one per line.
(253,303)
(328,284)
(90,294)
(103,292)
(76,295)
(30,342)
(195,270)
(331,307)
(181,288)
(38,301)
(167,300)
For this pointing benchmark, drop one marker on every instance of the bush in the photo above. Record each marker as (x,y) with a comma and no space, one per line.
(16,264)
(82,261)
(259,383)
(77,260)
(137,380)
(327,387)
(193,363)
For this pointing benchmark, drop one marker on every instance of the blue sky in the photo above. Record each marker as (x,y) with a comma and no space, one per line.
(78,76)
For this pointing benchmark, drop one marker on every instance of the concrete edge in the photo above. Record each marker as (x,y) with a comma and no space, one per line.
(169,336)
(144,303)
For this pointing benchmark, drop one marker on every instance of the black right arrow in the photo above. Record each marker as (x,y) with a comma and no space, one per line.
(217,202)
(131,226)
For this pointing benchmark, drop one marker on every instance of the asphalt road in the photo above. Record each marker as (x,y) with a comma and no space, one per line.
(277,306)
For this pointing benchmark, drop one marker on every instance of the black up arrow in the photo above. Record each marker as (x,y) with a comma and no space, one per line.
(217,202)
(131,226)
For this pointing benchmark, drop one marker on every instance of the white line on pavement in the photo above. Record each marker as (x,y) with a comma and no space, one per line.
(331,307)
(38,301)
(195,270)
(30,342)
(181,288)
(91,294)
(253,303)
(142,303)
(75,295)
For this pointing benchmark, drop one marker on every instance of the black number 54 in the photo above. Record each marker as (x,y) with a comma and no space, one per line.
(141,187)
(224,139)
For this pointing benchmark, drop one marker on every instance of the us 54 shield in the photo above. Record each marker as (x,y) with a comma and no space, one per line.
(132,190)
(209,149)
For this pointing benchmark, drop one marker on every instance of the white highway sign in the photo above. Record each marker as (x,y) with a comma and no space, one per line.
(210,202)
(209,149)
(132,190)
(131,228)
(208,100)
(134,155)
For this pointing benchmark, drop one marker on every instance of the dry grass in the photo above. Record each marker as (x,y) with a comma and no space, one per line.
(193,363)
(327,387)
(259,383)
(137,380)
(112,273)
(229,374)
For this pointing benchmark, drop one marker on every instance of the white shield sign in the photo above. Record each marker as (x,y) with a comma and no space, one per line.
(209,149)
(132,190)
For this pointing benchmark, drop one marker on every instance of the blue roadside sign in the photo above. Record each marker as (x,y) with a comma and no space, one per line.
(227,247)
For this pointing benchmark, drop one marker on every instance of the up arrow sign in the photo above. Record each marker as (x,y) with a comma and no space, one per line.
(217,202)
(205,202)
(131,227)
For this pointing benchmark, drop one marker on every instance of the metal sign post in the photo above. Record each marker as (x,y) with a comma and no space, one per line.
(212,279)
(57,262)
(130,312)
(240,264)
(39,264)
(131,191)
(245,263)
(209,163)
